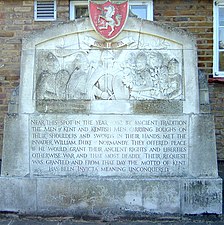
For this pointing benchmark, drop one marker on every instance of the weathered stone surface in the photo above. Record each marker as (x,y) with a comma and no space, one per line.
(201,195)
(203,162)
(15,157)
(18,195)
(109,198)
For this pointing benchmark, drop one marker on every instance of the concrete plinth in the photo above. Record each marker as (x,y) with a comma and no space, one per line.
(110,197)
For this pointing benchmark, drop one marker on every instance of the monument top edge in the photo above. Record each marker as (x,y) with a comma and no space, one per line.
(82,25)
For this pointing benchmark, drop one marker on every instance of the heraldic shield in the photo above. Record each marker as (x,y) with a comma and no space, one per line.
(108,19)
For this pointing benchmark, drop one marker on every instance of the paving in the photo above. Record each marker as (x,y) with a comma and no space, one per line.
(14,219)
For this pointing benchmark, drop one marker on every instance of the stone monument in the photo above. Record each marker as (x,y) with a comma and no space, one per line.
(108,122)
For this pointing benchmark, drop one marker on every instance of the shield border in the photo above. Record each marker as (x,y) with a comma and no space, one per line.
(127,12)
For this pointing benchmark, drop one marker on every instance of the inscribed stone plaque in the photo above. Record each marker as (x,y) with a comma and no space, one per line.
(109,145)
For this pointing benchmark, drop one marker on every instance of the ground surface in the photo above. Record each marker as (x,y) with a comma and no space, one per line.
(13,219)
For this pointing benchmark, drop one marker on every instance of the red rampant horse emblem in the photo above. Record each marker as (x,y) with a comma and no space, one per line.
(108,19)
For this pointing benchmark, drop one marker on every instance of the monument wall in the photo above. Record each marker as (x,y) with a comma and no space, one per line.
(112,125)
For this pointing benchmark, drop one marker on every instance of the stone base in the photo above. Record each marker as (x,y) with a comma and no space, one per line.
(101,197)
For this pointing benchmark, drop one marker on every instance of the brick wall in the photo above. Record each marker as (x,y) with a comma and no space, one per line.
(196,16)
